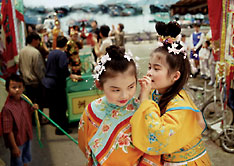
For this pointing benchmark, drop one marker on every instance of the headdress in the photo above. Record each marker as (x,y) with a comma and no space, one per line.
(168,33)
(101,64)
(168,39)
(176,48)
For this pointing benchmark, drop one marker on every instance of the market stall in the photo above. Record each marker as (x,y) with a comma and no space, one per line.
(83,92)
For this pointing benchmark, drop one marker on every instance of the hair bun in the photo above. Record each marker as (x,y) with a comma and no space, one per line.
(160,28)
(171,29)
(115,52)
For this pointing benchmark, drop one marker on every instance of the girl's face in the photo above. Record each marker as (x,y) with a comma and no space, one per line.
(74,37)
(205,45)
(158,71)
(16,89)
(121,88)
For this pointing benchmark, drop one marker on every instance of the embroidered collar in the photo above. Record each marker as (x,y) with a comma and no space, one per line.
(112,117)
(156,96)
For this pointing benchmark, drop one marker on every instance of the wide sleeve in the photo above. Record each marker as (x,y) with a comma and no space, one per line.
(83,133)
(156,135)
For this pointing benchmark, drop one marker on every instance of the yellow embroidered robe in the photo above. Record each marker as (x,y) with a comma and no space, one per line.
(176,135)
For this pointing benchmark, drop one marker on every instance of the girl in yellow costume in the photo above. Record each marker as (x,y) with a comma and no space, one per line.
(104,133)
(169,125)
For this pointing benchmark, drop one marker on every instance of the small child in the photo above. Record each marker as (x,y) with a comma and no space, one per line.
(196,40)
(17,122)
(104,133)
(72,51)
(170,124)
(204,55)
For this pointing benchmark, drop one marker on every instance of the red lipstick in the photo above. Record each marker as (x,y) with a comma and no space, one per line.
(123,101)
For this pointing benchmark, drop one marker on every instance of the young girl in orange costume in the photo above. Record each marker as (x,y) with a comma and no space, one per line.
(104,133)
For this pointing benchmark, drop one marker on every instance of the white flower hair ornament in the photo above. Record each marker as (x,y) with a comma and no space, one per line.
(128,55)
(173,49)
(100,67)
(101,64)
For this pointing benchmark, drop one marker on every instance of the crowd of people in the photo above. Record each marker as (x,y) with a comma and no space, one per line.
(161,130)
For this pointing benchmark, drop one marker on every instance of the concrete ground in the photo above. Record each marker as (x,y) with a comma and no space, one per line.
(61,151)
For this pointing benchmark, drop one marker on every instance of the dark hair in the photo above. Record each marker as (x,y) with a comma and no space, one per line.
(183,35)
(207,42)
(171,29)
(61,41)
(117,64)
(13,77)
(104,30)
(196,25)
(95,21)
(76,27)
(121,27)
(32,36)
(79,44)
(176,62)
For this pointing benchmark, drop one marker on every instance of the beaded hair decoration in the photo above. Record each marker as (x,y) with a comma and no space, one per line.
(101,64)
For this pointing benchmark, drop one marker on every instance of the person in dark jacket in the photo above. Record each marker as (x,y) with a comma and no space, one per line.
(55,84)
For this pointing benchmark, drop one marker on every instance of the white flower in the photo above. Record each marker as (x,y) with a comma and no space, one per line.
(97,68)
(100,67)
(96,76)
(173,50)
(105,58)
(174,45)
(127,57)
(182,49)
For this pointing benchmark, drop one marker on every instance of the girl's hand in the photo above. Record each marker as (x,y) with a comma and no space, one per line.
(145,84)
(35,106)
(16,152)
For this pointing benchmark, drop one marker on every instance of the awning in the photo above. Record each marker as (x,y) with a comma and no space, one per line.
(183,7)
